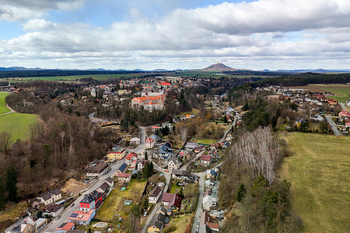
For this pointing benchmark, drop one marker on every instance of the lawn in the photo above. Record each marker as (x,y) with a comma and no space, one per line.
(3,108)
(205,141)
(114,204)
(12,213)
(319,173)
(180,223)
(17,124)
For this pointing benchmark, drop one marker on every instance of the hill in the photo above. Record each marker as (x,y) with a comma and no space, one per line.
(218,67)
(319,173)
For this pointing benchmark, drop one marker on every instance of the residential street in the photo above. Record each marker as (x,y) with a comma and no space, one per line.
(333,126)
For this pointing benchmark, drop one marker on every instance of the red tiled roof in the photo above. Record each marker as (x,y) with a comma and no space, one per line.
(206,157)
(123,175)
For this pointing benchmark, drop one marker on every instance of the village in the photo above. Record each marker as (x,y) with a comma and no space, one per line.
(171,174)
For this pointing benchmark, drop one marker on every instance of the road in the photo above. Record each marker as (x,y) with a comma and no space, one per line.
(333,126)
(91,116)
(200,200)
(67,212)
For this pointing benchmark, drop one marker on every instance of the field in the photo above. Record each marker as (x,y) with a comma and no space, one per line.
(205,141)
(341,91)
(181,223)
(320,174)
(3,108)
(193,112)
(17,124)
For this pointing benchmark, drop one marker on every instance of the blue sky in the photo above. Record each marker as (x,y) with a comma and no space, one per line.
(175,34)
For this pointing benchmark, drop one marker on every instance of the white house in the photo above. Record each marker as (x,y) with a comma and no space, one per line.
(174,164)
(208,202)
(154,195)
(149,143)
(50,196)
(93,92)
(53,210)
(135,141)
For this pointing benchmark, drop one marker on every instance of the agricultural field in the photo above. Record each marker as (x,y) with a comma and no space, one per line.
(3,108)
(341,91)
(213,74)
(319,172)
(17,124)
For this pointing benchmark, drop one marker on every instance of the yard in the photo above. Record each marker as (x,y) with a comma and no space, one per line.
(180,223)
(11,215)
(319,173)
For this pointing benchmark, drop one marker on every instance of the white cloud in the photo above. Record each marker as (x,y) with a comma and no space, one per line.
(230,32)
(38,25)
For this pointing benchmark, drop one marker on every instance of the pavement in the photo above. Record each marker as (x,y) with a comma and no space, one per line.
(333,126)
(114,167)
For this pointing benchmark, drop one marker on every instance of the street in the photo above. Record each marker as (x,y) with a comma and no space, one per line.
(333,126)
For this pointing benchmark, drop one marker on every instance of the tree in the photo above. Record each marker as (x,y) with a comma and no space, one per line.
(146,156)
(39,214)
(11,183)
(245,107)
(145,203)
(2,194)
(5,140)
(135,215)
(241,193)
(182,193)
(148,170)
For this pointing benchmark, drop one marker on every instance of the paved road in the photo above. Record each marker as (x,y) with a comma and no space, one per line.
(67,212)
(333,126)
(200,200)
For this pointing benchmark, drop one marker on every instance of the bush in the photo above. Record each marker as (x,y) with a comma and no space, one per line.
(170,228)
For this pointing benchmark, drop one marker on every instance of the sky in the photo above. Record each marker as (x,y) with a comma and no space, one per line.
(175,34)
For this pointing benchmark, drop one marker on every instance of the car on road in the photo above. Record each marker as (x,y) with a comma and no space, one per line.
(166,170)
(72,205)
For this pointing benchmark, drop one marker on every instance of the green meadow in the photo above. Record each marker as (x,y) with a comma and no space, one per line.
(3,108)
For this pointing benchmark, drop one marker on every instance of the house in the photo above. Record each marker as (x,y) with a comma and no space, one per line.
(208,202)
(133,165)
(205,218)
(141,164)
(181,174)
(110,181)
(154,195)
(155,226)
(199,148)
(149,143)
(135,141)
(131,157)
(219,214)
(121,169)
(116,153)
(162,218)
(211,173)
(156,138)
(64,227)
(124,178)
(172,200)
(90,201)
(50,196)
(162,210)
(169,125)
(206,159)
(104,188)
(53,210)
(174,163)
(96,170)
(215,227)
(25,225)
(164,152)
(82,217)
(191,145)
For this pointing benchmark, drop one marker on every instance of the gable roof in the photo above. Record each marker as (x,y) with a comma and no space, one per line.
(174,199)
(205,157)
(122,167)
(155,192)
(123,175)
(104,186)
(162,218)
(46,196)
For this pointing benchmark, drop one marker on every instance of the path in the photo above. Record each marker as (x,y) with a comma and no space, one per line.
(333,126)
(12,111)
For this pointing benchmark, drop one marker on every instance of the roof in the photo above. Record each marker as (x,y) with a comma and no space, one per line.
(206,157)
(149,140)
(51,208)
(135,139)
(104,186)
(75,231)
(155,192)
(109,180)
(181,172)
(205,218)
(40,221)
(123,175)
(191,145)
(117,150)
(129,156)
(49,194)
(161,217)
(174,199)
(213,225)
(89,198)
(97,169)
(155,222)
(66,226)
(122,167)
(81,215)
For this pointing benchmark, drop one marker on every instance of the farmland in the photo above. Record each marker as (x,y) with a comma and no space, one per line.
(341,91)
(17,124)
(319,173)
(3,108)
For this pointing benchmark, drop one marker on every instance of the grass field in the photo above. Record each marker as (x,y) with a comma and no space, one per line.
(17,124)
(341,91)
(205,141)
(114,204)
(320,175)
(180,223)
(3,108)
(194,112)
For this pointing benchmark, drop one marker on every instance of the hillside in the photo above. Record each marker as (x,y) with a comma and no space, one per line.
(218,67)
(319,173)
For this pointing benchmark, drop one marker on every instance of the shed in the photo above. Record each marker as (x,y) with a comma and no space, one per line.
(128,202)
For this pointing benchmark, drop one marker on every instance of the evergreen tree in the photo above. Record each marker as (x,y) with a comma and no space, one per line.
(39,214)
(182,193)
(11,182)
(146,156)
(2,194)
(241,193)
(245,107)
(145,203)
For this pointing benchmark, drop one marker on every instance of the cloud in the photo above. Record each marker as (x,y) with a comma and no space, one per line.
(38,25)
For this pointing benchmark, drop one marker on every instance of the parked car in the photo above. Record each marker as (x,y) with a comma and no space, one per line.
(145,214)
(72,205)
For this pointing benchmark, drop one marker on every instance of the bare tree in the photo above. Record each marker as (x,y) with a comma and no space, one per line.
(61,135)
(5,140)
(183,133)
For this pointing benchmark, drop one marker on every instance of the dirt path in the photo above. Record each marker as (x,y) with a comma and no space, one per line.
(12,111)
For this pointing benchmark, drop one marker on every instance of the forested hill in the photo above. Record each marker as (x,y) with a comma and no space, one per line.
(298,80)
